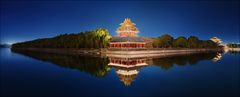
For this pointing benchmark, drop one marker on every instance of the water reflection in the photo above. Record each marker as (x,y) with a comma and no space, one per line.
(127,69)
(168,62)
(217,57)
(95,66)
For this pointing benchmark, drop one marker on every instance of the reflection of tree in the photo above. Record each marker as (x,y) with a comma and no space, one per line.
(163,63)
(234,52)
(93,65)
(191,59)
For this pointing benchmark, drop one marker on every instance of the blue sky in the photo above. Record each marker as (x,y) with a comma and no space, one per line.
(27,20)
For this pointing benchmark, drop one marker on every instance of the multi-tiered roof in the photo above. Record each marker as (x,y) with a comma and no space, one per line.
(127,36)
(127,29)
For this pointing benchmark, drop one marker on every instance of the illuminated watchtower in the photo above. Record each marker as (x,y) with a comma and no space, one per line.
(127,29)
(127,36)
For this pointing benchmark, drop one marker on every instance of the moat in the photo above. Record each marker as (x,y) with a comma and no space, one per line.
(40,74)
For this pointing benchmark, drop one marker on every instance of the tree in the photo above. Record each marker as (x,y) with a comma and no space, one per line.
(193,42)
(156,43)
(165,41)
(211,44)
(97,38)
(180,42)
(103,36)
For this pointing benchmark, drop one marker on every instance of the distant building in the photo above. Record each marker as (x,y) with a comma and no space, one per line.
(127,36)
(216,40)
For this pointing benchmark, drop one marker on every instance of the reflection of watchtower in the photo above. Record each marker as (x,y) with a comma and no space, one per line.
(127,68)
(127,76)
(217,57)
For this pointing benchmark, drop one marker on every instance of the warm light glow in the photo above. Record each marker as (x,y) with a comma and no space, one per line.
(127,29)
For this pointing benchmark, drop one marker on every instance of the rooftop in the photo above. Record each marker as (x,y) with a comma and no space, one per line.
(127,39)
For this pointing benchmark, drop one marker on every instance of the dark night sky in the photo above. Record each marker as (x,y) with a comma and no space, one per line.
(27,20)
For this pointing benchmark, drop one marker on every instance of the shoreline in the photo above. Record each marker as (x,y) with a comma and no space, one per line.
(233,49)
(124,53)
(159,52)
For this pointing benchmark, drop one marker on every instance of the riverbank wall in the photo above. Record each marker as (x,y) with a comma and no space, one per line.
(157,52)
(234,49)
(122,53)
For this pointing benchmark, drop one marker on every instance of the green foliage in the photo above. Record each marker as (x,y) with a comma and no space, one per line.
(90,39)
(155,43)
(164,41)
(180,42)
(193,42)
(207,44)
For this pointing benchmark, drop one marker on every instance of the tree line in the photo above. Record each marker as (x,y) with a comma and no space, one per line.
(167,41)
(233,45)
(97,38)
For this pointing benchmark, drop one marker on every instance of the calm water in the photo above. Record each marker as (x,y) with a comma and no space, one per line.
(39,74)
